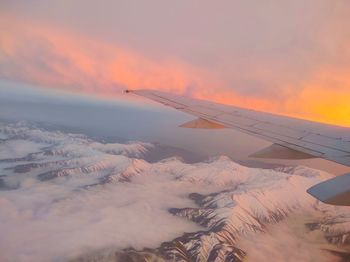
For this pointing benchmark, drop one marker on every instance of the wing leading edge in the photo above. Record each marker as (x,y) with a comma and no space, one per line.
(303,139)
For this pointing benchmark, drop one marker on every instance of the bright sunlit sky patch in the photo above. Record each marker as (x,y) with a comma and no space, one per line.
(287,57)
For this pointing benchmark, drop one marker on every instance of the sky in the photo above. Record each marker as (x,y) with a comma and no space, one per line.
(285,57)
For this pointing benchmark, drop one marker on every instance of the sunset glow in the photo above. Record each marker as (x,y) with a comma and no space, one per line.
(55,57)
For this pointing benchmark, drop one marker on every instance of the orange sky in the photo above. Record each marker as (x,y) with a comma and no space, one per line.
(54,57)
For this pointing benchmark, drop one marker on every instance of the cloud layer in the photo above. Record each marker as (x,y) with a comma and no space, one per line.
(70,196)
(289,58)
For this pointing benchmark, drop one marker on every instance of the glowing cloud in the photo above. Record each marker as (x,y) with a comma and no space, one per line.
(49,56)
(54,57)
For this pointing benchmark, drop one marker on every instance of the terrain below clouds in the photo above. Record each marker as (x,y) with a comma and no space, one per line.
(69,197)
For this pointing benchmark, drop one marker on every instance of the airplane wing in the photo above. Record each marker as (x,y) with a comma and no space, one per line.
(292,138)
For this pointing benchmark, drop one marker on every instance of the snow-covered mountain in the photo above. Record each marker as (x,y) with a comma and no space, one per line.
(66,197)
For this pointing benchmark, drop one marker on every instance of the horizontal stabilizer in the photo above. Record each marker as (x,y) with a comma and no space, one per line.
(281,152)
(202,123)
(335,191)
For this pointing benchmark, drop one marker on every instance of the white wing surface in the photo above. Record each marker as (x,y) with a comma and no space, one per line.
(291,137)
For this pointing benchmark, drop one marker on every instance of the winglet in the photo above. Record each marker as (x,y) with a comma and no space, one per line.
(335,191)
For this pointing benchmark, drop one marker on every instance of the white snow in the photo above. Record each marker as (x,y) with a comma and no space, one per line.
(127,202)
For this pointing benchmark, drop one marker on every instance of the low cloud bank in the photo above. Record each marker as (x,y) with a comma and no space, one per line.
(74,195)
